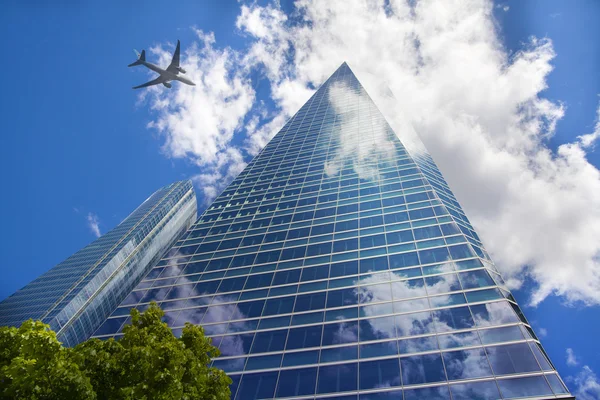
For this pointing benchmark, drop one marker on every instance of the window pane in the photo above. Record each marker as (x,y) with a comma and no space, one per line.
(466,364)
(297,382)
(435,393)
(381,373)
(422,369)
(512,359)
(269,341)
(524,387)
(453,318)
(475,391)
(257,386)
(337,378)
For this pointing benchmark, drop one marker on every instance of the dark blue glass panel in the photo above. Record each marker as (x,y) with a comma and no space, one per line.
(540,356)
(380,373)
(427,232)
(378,349)
(289,276)
(524,387)
(341,297)
(345,245)
(475,279)
(297,382)
(269,341)
(434,255)
(231,285)
(421,213)
(263,362)
(345,268)
(315,273)
(399,237)
(403,260)
(251,309)
(304,337)
(466,364)
(460,251)
(513,358)
(294,252)
(313,301)
(260,280)
(372,241)
(556,384)
(111,326)
(318,249)
(422,369)
(257,386)
(339,354)
(452,319)
(280,305)
(301,358)
(321,229)
(396,217)
(434,393)
(374,264)
(337,378)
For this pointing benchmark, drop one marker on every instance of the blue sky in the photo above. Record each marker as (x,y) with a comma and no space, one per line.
(75,141)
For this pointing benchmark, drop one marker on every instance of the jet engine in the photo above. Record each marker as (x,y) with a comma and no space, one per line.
(167,84)
(183,71)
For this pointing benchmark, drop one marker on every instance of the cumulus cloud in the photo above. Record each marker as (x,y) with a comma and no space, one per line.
(436,68)
(586,384)
(589,139)
(94,224)
(542,332)
(198,123)
(571,359)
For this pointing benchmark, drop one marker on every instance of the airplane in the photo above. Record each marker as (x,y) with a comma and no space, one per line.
(166,75)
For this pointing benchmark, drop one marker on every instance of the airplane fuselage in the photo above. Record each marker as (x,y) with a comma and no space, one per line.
(169,76)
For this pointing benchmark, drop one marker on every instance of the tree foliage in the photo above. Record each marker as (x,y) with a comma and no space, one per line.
(148,362)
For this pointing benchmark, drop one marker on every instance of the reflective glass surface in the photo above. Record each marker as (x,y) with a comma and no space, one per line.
(339,264)
(77,296)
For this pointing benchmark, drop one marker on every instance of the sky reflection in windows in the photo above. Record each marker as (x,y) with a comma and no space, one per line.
(334,263)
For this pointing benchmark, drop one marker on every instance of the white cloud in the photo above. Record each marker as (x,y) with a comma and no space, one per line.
(590,138)
(571,359)
(542,332)
(480,112)
(199,123)
(586,384)
(94,224)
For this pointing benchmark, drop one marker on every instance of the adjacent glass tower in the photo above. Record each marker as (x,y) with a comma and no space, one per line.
(76,296)
(339,264)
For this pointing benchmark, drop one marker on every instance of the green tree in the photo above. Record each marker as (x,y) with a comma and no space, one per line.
(35,366)
(148,362)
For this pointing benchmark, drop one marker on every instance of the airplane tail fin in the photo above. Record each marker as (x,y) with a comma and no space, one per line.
(141,58)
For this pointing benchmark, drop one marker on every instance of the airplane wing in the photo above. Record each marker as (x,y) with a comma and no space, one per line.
(156,81)
(174,66)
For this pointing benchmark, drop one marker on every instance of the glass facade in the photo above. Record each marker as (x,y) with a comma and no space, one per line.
(339,264)
(76,296)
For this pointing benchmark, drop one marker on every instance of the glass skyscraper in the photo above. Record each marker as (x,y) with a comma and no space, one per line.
(339,265)
(76,296)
